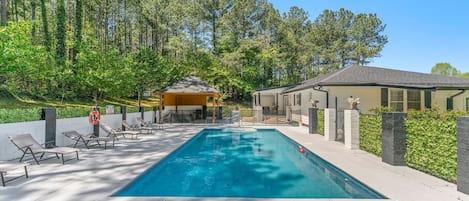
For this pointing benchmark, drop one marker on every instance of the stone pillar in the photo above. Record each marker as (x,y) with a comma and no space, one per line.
(235,117)
(462,169)
(393,138)
(124,115)
(313,120)
(258,113)
(50,115)
(329,124)
(351,129)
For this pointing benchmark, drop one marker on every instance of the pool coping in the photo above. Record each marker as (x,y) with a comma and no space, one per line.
(100,173)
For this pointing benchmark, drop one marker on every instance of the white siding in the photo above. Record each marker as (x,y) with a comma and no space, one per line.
(370,97)
(439,99)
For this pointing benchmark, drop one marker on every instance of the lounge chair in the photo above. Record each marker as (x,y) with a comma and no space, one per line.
(6,166)
(85,139)
(137,128)
(148,124)
(115,133)
(28,145)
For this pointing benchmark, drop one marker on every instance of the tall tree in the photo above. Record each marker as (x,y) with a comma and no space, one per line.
(60,49)
(78,28)
(367,41)
(3,12)
(45,26)
(445,68)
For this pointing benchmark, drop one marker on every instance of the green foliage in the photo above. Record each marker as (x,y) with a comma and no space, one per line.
(321,122)
(104,72)
(120,48)
(63,113)
(22,65)
(431,142)
(370,133)
(371,130)
(444,68)
(20,115)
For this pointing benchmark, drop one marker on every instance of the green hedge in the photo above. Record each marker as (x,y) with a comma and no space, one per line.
(20,115)
(370,133)
(321,122)
(71,112)
(431,142)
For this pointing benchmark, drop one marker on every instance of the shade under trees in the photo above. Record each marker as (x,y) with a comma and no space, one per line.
(111,48)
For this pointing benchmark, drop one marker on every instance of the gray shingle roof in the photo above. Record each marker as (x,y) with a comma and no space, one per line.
(189,85)
(375,76)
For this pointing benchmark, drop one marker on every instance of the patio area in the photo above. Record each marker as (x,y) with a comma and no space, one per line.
(99,173)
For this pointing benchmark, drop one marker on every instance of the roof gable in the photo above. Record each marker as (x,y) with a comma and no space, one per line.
(189,85)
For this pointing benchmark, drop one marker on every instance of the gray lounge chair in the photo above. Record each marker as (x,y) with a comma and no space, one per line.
(28,145)
(6,166)
(115,133)
(138,128)
(85,139)
(148,124)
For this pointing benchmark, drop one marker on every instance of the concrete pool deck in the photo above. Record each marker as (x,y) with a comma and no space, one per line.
(99,173)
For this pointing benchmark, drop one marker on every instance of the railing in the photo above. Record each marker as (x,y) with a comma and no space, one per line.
(238,117)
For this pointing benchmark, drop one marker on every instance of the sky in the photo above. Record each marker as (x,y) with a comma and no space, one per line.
(420,33)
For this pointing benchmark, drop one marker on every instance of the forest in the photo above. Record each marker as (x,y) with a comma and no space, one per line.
(96,49)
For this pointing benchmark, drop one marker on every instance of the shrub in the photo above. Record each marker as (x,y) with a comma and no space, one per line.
(431,142)
(320,122)
(19,115)
(71,112)
(370,133)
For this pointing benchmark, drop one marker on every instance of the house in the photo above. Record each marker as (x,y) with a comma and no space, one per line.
(375,87)
(187,99)
(269,99)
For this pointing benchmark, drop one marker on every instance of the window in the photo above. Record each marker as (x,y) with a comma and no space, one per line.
(397,100)
(413,100)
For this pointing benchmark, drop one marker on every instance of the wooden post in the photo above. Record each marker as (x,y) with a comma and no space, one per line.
(213,109)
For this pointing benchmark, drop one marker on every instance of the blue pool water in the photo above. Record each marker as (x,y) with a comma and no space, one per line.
(249,163)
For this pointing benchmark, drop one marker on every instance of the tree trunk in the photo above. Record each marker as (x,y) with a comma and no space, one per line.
(15,4)
(33,17)
(78,28)
(24,10)
(60,49)
(47,39)
(3,10)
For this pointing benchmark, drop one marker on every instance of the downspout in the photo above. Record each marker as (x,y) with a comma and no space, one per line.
(450,99)
(327,94)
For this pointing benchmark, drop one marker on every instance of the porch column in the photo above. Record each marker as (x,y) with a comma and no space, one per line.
(160,108)
(213,109)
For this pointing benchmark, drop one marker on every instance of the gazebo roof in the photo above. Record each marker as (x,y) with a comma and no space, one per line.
(190,85)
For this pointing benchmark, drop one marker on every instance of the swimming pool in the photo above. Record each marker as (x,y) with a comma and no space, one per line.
(251,163)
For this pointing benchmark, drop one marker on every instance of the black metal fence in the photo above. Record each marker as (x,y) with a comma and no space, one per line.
(220,116)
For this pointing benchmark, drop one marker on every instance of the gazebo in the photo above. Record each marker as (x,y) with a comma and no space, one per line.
(189,95)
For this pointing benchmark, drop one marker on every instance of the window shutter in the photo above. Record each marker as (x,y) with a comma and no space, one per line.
(449,104)
(428,99)
(384,97)
(299,99)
